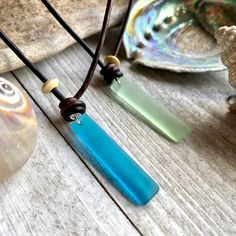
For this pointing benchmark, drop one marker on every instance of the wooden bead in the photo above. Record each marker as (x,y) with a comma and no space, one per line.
(112,59)
(50,85)
(70,107)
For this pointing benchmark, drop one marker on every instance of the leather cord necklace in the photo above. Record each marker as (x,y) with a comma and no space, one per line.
(153,113)
(111,70)
(70,107)
(89,139)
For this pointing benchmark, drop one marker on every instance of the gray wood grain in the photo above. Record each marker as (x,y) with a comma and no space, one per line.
(55,194)
(197,177)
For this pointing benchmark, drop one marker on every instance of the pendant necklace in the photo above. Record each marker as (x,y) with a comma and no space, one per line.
(152,112)
(89,138)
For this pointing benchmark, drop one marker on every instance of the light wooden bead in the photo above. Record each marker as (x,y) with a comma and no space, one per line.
(50,85)
(112,59)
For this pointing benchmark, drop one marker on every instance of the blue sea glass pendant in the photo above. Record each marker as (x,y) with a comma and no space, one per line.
(112,161)
(157,116)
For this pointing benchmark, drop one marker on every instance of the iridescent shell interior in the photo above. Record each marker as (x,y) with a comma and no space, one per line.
(18,129)
(164,34)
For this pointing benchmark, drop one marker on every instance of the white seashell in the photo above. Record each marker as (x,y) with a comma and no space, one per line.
(231,38)
(220,34)
(226,38)
(18,129)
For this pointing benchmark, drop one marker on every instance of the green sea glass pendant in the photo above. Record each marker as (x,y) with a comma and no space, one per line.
(156,115)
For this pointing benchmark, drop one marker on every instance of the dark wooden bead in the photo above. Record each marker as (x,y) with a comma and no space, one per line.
(71,107)
(111,72)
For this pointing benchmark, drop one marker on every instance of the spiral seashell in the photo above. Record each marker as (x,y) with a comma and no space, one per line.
(18,129)
(226,38)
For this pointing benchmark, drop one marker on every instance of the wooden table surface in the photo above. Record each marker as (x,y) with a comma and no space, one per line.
(58,193)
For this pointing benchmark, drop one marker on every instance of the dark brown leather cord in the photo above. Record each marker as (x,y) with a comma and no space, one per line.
(98,50)
(109,72)
(123,28)
(67,27)
(70,107)
(25,60)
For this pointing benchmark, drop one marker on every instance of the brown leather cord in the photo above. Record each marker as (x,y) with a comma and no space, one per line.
(67,27)
(123,28)
(25,60)
(72,106)
(69,106)
(109,72)
(98,50)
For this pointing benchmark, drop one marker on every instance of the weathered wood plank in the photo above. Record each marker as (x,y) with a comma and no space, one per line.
(55,194)
(197,176)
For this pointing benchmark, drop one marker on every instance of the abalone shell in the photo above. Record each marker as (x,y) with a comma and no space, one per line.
(164,34)
(18,129)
